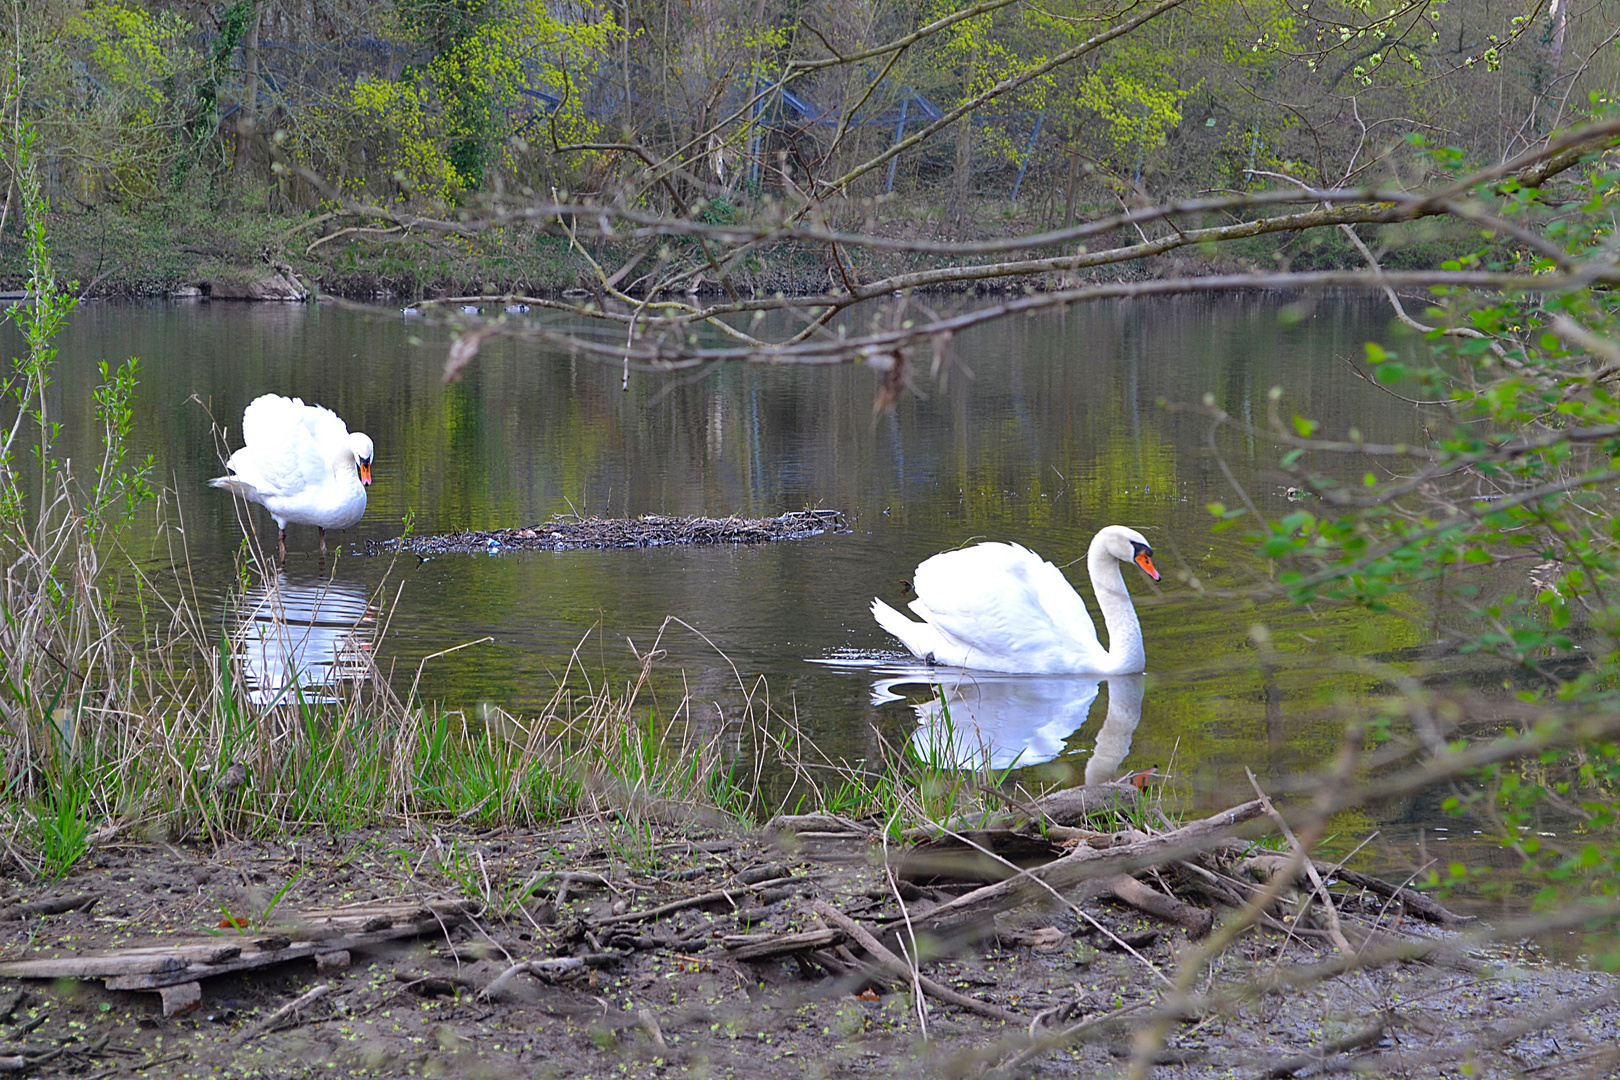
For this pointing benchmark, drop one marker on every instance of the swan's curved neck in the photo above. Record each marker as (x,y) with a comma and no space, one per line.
(1125,652)
(343,465)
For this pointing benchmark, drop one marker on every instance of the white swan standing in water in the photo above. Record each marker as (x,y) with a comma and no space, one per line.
(1001,607)
(300,463)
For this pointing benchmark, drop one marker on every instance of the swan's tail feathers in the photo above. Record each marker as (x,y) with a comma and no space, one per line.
(923,640)
(236,486)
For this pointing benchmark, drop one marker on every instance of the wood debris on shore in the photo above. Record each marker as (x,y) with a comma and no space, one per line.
(650,530)
(174,969)
(1010,943)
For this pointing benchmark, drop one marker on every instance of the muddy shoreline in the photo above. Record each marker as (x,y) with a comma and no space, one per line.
(681,949)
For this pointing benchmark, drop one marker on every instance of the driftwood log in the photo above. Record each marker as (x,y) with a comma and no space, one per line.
(1053,814)
(1263,864)
(979,855)
(1197,921)
(756,947)
(1425,907)
(717,896)
(56,905)
(1072,806)
(1085,863)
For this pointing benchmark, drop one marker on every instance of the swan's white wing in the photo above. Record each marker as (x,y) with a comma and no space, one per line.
(268,418)
(280,466)
(325,427)
(1058,597)
(1000,600)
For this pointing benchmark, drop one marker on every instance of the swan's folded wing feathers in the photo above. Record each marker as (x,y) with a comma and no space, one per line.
(982,596)
(324,426)
(267,418)
(1057,596)
(283,467)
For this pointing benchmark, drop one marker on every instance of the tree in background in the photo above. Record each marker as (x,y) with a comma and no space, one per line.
(443,128)
(981,51)
(107,85)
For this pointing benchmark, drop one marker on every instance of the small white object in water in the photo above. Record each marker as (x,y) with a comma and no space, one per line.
(409,312)
(494,546)
(471,309)
(517,309)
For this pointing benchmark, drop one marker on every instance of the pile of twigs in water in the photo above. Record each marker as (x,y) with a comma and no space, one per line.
(652,530)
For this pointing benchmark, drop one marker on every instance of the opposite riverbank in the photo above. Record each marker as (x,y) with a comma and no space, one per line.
(113,253)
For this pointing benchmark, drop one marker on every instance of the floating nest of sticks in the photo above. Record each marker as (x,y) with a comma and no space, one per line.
(652,530)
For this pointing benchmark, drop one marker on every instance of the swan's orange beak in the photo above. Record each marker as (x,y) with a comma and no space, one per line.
(1144,559)
(365,478)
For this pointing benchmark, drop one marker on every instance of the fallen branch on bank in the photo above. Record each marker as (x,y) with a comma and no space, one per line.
(899,967)
(308,997)
(1083,864)
(717,896)
(547,969)
(1369,1036)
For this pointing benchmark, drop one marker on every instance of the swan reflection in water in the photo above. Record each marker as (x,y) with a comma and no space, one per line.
(309,635)
(1006,720)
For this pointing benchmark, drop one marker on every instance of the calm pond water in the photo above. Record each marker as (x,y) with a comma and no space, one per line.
(1038,430)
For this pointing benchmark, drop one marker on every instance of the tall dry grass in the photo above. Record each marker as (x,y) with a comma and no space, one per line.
(124,709)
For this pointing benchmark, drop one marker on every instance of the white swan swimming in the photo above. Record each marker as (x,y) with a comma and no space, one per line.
(1001,607)
(301,463)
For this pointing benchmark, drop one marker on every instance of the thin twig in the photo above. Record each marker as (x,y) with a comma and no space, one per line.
(308,997)
(882,955)
(1335,931)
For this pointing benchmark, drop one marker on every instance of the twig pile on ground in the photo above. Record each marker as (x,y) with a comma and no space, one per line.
(652,530)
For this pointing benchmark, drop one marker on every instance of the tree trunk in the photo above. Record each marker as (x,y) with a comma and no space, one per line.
(964,168)
(247,118)
(1073,189)
(1558,19)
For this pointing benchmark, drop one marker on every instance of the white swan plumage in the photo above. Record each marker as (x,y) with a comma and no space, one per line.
(1001,607)
(301,463)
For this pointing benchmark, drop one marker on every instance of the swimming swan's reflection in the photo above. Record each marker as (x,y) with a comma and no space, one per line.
(974,719)
(310,635)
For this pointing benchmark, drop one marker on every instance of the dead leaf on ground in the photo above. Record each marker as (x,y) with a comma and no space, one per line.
(1046,939)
